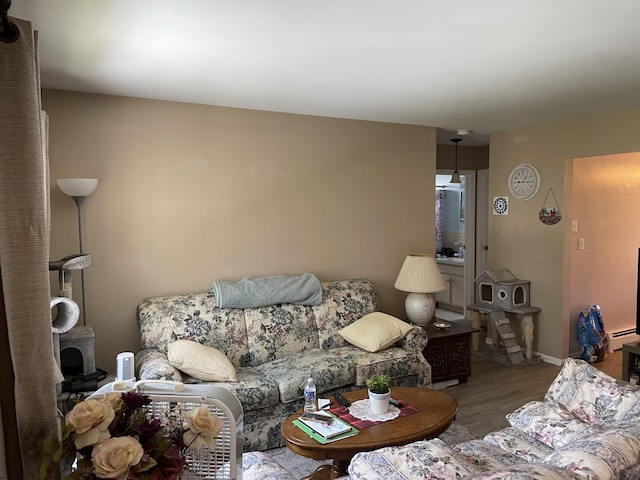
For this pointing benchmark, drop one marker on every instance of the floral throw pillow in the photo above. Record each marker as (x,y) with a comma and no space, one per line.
(603,455)
(550,423)
(528,471)
(593,396)
(415,461)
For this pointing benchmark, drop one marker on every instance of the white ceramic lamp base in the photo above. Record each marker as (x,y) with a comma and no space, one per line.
(420,308)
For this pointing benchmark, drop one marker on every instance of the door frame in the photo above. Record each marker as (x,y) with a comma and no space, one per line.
(475,228)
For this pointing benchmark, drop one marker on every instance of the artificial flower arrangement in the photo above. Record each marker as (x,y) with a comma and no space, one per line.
(115,438)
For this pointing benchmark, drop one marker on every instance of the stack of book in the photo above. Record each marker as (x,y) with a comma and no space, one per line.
(324,427)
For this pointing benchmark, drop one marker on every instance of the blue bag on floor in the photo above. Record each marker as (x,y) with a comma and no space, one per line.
(591,335)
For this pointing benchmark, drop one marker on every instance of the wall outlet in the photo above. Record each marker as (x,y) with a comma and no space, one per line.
(581,244)
(574,225)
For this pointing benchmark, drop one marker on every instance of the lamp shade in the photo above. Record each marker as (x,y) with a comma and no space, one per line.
(420,274)
(78,187)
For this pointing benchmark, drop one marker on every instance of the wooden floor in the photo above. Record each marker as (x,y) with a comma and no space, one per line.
(494,390)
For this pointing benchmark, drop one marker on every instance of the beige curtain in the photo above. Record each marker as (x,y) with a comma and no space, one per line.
(27,394)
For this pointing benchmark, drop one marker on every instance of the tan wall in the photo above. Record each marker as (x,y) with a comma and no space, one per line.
(519,241)
(606,201)
(189,194)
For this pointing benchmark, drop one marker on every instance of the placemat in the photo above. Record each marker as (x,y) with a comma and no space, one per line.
(344,414)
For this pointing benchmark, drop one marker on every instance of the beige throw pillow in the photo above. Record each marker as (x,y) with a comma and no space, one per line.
(201,362)
(375,332)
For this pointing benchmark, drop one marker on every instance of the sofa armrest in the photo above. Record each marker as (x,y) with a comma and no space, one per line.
(415,341)
(153,364)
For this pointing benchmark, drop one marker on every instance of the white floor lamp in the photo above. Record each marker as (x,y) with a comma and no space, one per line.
(79,189)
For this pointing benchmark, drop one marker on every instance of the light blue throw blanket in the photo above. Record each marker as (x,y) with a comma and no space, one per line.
(302,289)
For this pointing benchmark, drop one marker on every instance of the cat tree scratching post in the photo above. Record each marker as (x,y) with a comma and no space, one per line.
(75,340)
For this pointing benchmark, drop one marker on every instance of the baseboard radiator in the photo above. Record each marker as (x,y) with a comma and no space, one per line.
(620,337)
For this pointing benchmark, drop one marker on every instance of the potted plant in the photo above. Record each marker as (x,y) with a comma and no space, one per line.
(379,392)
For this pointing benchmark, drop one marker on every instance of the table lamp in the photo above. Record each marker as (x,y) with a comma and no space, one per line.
(420,277)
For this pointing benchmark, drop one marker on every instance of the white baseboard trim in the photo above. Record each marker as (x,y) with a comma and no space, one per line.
(549,359)
(444,384)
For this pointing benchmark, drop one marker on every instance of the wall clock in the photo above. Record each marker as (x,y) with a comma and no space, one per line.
(500,205)
(524,181)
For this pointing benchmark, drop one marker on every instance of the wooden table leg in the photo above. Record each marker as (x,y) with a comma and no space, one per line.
(323,472)
(329,472)
(340,468)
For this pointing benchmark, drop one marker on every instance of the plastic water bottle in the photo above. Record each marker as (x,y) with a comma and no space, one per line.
(310,396)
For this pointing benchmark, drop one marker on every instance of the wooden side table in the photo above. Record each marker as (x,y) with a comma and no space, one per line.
(449,351)
(630,360)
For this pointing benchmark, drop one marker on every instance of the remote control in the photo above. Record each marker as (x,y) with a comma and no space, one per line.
(395,402)
(341,400)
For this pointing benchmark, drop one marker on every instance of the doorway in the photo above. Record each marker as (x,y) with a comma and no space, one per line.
(463,213)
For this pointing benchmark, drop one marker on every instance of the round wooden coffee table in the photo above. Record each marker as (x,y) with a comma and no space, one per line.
(437,412)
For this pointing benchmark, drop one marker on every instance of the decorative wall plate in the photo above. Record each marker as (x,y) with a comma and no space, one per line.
(501,205)
(550,213)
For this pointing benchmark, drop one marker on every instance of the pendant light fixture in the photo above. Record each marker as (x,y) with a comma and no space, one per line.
(455,178)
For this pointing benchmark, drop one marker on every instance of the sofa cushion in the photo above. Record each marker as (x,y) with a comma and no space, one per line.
(594,396)
(550,423)
(528,471)
(600,456)
(394,361)
(519,443)
(414,461)
(343,303)
(329,372)
(485,456)
(253,389)
(375,331)
(277,331)
(163,320)
(200,361)
(260,466)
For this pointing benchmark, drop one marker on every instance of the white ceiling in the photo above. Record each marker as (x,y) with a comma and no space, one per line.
(484,65)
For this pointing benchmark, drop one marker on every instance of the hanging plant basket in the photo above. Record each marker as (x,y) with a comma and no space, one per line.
(550,214)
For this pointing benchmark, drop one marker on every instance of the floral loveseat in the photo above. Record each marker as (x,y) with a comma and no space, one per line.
(588,426)
(274,349)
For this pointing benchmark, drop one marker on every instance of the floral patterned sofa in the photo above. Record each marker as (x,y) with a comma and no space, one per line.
(588,426)
(275,348)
